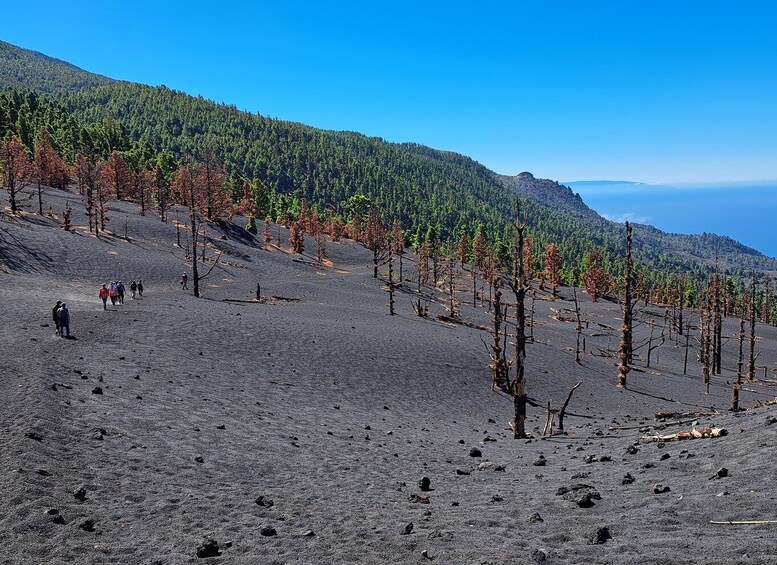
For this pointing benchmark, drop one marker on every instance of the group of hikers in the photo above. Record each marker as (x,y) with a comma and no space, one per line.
(115,290)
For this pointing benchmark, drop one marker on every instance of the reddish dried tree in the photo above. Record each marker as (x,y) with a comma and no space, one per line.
(297,237)
(596,280)
(49,169)
(16,169)
(375,238)
(115,175)
(462,248)
(214,200)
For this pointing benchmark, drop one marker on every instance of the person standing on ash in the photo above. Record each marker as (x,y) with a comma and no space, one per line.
(183,281)
(103,294)
(64,320)
(55,315)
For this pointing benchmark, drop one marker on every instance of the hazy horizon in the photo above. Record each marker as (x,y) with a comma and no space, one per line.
(740,210)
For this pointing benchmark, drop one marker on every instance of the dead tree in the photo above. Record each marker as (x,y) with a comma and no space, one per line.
(651,347)
(452,301)
(563,409)
(579,326)
(625,345)
(519,286)
(738,382)
(740,356)
(751,355)
(391,280)
(66,213)
(421,307)
(500,366)
(705,342)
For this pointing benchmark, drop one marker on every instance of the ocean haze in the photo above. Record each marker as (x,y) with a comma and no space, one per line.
(742,210)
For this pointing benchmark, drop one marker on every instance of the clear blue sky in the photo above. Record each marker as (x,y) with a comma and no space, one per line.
(650,90)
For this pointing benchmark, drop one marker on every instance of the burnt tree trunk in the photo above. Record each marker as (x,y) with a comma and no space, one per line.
(625,345)
(751,356)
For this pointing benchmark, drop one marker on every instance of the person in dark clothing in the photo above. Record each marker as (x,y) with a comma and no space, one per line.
(120,292)
(140,287)
(55,316)
(64,320)
(184,280)
(133,289)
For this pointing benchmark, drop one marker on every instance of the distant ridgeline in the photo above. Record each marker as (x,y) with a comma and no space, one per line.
(267,168)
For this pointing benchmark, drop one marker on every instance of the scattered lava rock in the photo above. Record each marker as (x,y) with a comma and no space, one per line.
(37,437)
(580,494)
(209,549)
(771,420)
(461,471)
(539,556)
(660,489)
(199,459)
(599,536)
(535,518)
(407,529)
(268,532)
(264,501)
(540,461)
(665,456)
(632,450)
(490,466)
(59,519)
(97,390)
(425,484)
(80,494)
(627,479)
(722,472)
(87,525)
(474,452)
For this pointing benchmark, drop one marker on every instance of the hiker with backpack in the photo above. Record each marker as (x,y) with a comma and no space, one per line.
(103,294)
(64,320)
(133,289)
(140,288)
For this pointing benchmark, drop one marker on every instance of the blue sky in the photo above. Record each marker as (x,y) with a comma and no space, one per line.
(655,91)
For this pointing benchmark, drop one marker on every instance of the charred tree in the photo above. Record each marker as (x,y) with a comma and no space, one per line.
(578,331)
(519,287)
(624,354)
(751,354)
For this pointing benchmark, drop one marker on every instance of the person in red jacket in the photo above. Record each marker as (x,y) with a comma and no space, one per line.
(103,294)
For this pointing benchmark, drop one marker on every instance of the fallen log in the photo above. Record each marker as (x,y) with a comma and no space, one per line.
(740,522)
(693,434)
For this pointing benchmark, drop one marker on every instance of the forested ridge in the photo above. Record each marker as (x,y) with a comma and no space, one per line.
(421,187)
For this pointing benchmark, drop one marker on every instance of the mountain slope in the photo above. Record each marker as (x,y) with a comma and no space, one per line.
(421,186)
(31,69)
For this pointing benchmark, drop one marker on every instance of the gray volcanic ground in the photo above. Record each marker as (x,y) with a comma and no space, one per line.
(314,419)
